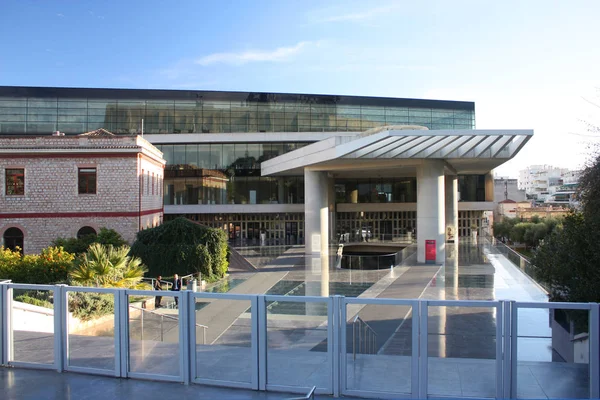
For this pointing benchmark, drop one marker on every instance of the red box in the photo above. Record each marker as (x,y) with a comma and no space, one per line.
(430,251)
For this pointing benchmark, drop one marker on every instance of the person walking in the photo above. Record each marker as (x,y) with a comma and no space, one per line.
(158,286)
(176,287)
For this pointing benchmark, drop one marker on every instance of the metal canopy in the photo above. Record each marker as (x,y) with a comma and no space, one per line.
(466,151)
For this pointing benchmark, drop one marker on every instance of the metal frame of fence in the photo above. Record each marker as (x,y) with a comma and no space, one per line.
(338,319)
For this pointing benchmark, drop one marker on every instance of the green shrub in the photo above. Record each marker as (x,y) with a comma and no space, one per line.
(183,247)
(87,306)
(49,267)
(80,245)
(106,266)
(36,298)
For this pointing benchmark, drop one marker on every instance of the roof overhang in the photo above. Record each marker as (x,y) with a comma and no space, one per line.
(465,152)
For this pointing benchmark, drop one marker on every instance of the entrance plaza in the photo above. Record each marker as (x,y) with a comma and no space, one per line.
(370,343)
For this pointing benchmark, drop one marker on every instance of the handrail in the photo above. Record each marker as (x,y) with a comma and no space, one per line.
(152,280)
(369,344)
(310,395)
(162,316)
(524,264)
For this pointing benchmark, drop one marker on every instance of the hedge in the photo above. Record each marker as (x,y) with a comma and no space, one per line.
(182,247)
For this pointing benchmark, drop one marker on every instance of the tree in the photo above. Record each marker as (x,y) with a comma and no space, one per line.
(569,259)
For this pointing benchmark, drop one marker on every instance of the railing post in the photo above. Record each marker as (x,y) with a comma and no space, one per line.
(423,372)
(343,345)
(5,322)
(117,331)
(262,342)
(499,349)
(514,316)
(594,335)
(124,332)
(415,348)
(184,335)
(506,349)
(61,309)
(336,345)
(254,340)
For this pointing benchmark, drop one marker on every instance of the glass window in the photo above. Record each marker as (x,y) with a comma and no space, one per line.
(191,154)
(179,154)
(216,151)
(87,180)
(15,182)
(204,156)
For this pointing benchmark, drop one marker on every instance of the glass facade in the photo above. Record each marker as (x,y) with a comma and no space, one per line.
(376,190)
(121,111)
(227,173)
(471,187)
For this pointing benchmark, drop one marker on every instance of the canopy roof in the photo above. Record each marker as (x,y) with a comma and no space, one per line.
(465,152)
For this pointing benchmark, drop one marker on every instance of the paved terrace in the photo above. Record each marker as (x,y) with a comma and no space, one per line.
(461,341)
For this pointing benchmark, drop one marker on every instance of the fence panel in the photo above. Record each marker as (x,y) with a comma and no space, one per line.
(552,354)
(299,348)
(91,341)
(224,342)
(379,347)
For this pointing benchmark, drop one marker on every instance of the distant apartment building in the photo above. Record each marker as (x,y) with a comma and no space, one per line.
(542,182)
(75,185)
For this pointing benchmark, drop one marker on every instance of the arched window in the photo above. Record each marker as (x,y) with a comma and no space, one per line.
(85,231)
(13,238)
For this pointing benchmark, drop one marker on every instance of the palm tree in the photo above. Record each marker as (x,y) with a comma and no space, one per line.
(107,266)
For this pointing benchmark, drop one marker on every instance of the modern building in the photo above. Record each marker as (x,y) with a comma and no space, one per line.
(537,180)
(69,186)
(215,144)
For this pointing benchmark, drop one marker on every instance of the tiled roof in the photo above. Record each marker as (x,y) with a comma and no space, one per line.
(98,133)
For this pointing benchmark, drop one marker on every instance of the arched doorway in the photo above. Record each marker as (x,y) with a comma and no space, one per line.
(85,231)
(13,238)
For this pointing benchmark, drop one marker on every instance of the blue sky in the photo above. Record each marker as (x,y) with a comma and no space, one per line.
(526,64)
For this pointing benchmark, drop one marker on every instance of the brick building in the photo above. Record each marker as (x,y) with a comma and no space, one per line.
(73,185)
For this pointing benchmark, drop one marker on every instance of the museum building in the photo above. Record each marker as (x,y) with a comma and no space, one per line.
(215,144)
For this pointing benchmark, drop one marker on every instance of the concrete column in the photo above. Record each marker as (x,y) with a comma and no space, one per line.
(451,196)
(430,208)
(316,199)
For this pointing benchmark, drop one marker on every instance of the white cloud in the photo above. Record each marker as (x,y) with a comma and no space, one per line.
(277,55)
(360,15)
(60,15)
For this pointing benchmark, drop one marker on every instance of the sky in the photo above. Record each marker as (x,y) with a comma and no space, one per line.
(526,64)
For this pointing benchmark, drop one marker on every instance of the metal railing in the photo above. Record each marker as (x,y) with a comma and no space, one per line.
(367,338)
(152,280)
(299,362)
(162,323)
(518,260)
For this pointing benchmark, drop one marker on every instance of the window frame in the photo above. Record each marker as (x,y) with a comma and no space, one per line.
(87,174)
(12,183)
